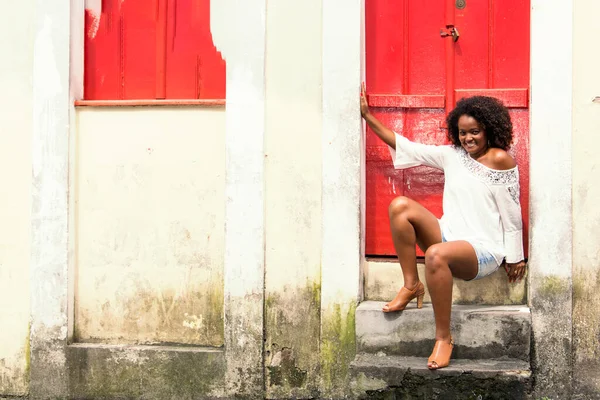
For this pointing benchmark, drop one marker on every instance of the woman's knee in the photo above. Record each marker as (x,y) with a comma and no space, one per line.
(435,258)
(399,206)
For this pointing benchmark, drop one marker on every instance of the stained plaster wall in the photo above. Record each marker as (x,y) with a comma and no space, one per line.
(342,144)
(149,187)
(291,218)
(60,370)
(15,196)
(586,213)
(550,275)
(551,240)
(239,32)
(293,198)
(52,106)
(76,163)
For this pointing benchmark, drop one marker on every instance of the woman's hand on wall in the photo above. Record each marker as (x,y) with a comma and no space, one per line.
(382,131)
(364,106)
(515,271)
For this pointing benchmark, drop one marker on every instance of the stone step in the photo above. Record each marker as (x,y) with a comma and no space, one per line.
(396,377)
(479,332)
(383,279)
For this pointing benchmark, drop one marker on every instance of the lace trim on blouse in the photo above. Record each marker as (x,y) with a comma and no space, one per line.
(514,190)
(508,178)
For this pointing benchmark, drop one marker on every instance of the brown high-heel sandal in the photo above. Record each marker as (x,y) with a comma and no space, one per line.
(404,297)
(440,356)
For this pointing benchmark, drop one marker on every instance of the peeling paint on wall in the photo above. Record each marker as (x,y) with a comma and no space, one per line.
(93,9)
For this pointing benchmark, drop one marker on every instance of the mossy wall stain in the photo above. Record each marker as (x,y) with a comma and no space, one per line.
(292,341)
(586,331)
(27,354)
(129,372)
(14,376)
(244,346)
(552,358)
(586,316)
(338,348)
(192,316)
(553,286)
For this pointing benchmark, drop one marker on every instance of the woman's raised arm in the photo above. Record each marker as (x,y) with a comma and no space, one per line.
(384,133)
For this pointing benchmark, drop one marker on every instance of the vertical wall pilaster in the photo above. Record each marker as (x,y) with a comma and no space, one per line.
(49,215)
(342,138)
(238,29)
(293,199)
(586,192)
(551,240)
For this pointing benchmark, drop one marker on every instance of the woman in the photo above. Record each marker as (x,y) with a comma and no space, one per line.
(481,228)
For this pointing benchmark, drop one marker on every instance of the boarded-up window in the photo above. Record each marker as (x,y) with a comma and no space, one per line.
(151,49)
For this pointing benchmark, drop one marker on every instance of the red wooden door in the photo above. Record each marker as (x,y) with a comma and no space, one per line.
(416,71)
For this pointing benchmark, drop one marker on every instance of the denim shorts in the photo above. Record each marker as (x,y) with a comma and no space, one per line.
(486,262)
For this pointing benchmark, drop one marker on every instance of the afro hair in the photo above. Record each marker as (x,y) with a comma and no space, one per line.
(491,115)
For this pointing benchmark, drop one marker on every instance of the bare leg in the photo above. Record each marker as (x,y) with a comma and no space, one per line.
(442,262)
(411,224)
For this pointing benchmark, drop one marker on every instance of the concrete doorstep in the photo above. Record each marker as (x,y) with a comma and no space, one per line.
(398,377)
(490,358)
(479,332)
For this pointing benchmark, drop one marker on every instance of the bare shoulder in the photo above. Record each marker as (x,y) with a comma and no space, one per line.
(500,159)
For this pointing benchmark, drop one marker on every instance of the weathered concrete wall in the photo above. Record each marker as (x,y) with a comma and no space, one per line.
(239,32)
(550,283)
(342,140)
(52,106)
(383,278)
(304,199)
(149,225)
(586,192)
(293,198)
(15,199)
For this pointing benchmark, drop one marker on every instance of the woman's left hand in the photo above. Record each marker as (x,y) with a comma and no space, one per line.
(515,271)
(364,105)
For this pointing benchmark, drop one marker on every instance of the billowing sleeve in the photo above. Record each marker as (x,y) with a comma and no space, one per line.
(410,154)
(507,199)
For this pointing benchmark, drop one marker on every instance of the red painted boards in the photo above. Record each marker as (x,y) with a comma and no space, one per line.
(152,49)
(414,74)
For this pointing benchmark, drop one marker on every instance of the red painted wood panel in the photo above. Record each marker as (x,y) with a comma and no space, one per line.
(512,98)
(152,49)
(510,68)
(140,47)
(103,62)
(406,101)
(195,69)
(424,49)
(413,73)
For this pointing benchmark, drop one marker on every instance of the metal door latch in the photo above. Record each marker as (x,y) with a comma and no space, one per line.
(450,31)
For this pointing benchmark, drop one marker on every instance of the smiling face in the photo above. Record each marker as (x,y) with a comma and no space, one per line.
(472,137)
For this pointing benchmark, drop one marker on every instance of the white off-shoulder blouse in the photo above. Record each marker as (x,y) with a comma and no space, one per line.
(480,204)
